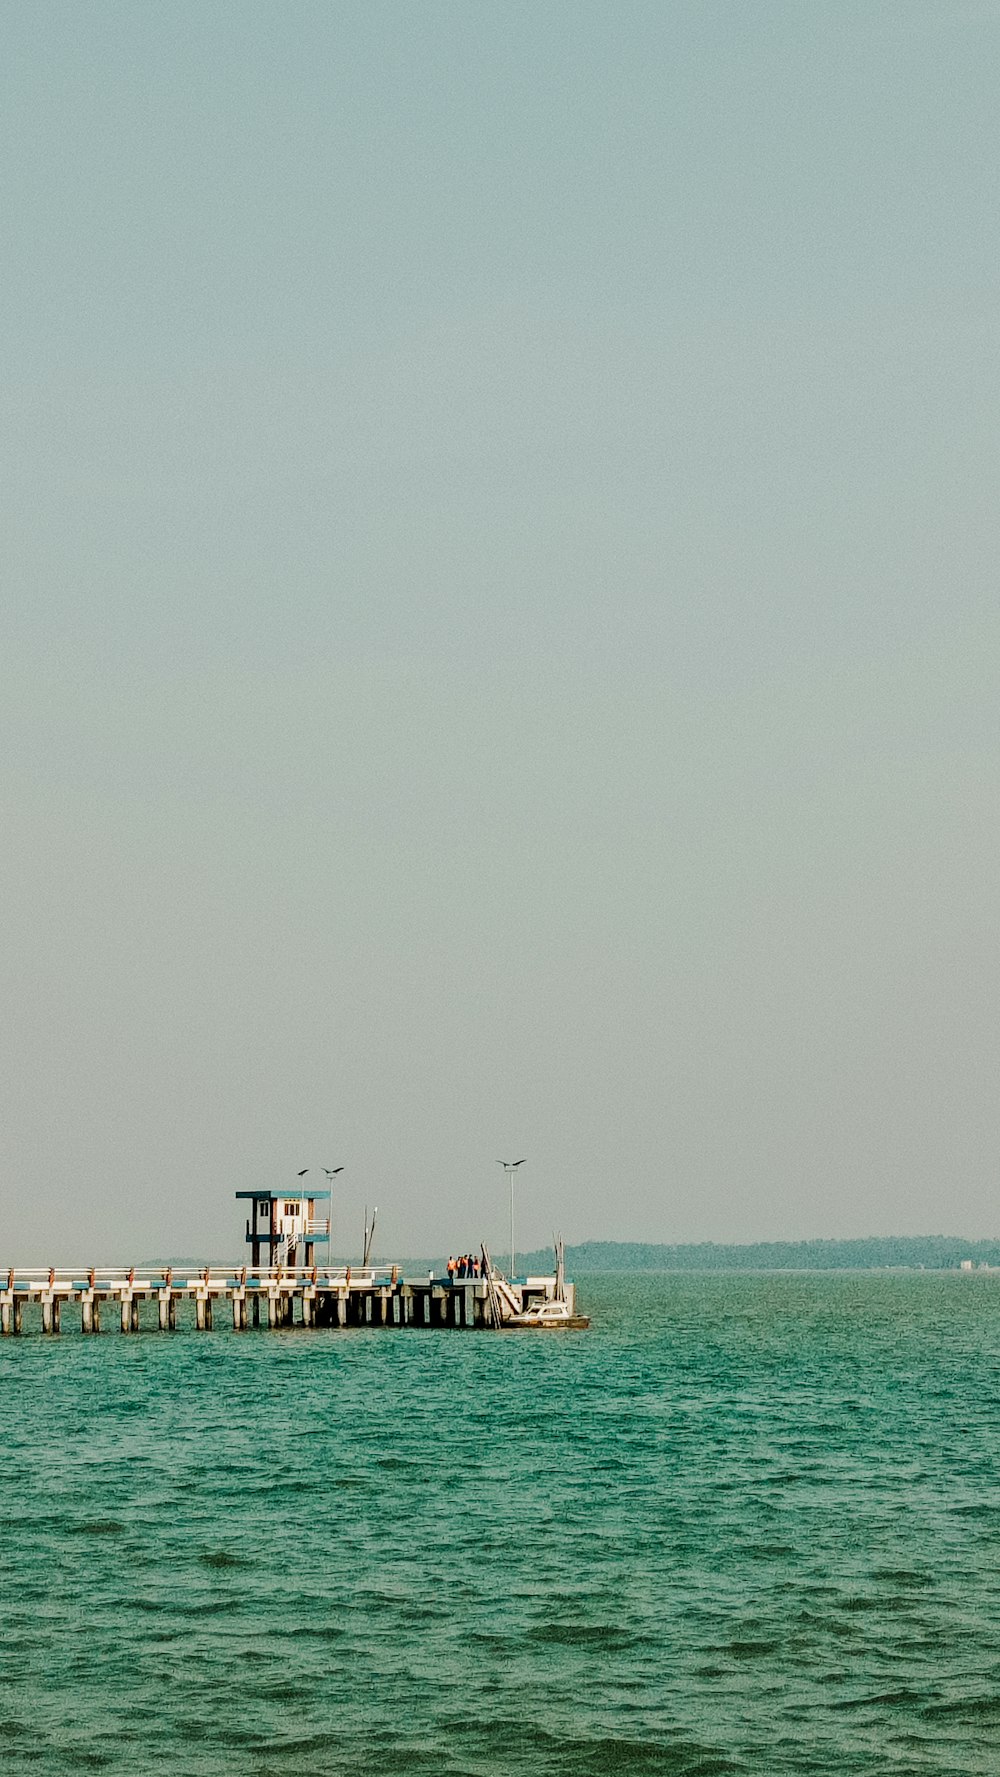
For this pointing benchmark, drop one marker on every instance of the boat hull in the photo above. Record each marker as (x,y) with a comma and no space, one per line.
(573,1323)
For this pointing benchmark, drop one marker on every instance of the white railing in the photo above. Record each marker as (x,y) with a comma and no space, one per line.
(112,1279)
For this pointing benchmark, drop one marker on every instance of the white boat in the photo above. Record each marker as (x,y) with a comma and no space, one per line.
(555,1313)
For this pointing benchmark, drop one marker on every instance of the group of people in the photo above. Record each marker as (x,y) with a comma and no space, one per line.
(466,1265)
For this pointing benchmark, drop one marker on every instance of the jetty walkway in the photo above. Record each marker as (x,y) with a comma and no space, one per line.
(269,1296)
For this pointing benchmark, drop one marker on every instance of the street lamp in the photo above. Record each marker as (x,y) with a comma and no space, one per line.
(331,1173)
(510,1167)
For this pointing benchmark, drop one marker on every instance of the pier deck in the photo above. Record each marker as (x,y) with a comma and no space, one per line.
(268,1296)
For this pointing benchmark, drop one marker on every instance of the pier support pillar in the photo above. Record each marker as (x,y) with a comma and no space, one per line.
(239,1311)
(5,1318)
(342,1309)
(273,1309)
(168,1313)
(469,1293)
(126,1320)
(384,1306)
(87,1314)
(427,1308)
(18,1315)
(307,1309)
(48,1306)
(444,1309)
(368,1309)
(135,1314)
(456,1307)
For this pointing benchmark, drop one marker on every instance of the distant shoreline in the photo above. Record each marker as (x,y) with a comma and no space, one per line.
(933,1252)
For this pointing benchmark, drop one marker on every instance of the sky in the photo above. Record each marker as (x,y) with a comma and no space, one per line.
(499,628)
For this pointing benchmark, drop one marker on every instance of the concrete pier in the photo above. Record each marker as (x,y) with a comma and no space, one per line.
(272,1296)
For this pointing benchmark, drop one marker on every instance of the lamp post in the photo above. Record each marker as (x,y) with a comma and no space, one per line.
(510,1167)
(331,1173)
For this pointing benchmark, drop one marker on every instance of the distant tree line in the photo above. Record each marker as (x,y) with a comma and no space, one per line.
(931,1252)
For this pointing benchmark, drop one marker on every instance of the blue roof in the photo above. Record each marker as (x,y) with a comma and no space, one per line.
(282,1196)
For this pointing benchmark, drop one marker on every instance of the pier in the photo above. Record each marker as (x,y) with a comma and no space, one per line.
(166,1299)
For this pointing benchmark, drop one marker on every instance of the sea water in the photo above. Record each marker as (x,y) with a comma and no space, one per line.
(743,1524)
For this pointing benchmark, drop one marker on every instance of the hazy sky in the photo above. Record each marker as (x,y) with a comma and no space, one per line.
(500,618)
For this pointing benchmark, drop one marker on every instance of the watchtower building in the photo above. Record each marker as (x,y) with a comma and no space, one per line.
(285,1227)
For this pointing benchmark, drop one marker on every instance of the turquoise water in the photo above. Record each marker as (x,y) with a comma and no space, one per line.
(745,1524)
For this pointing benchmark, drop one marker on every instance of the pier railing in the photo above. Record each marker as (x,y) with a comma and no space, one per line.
(181,1277)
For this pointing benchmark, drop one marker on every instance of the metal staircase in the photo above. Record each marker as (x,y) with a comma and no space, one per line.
(502,1300)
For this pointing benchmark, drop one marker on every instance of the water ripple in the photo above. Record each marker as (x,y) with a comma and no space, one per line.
(746,1525)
